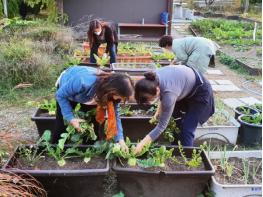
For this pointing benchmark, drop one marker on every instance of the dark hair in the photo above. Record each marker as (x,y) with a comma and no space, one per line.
(146,87)
(166,41)
(92,26)
(110,84)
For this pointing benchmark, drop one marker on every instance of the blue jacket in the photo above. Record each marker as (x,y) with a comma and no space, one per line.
(77,84)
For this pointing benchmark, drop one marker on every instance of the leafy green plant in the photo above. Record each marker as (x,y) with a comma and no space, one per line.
(49,105)
(237,34)
(126,110)
(170,129)
(157,157)
(163,56)
(58,152)
(224,164)
(116,151)
(103,60)
(257,106)
(195,160)
(255,119)
(246,170)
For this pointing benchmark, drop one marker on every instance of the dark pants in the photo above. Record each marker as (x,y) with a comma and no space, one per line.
(196,108)
(94,50)
(60,125)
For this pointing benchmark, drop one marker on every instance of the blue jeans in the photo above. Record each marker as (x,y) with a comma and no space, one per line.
(94,50)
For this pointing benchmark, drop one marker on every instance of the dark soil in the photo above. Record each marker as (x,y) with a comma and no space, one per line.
(238,174)
(48,163)
(139,113)
(169,166)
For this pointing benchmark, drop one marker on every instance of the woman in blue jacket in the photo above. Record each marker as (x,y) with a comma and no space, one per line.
(80,84)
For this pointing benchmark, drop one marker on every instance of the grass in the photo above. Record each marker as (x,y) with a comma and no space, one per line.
(21,97)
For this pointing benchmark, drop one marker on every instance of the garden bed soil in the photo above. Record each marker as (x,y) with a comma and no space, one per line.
(237,176)
(47,163)
(169,166)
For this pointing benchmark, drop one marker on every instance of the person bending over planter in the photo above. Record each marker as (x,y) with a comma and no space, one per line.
(80,84)
(99,32)
(196,52)
(184,93)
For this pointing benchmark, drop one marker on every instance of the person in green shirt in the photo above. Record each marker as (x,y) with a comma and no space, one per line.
(196,52)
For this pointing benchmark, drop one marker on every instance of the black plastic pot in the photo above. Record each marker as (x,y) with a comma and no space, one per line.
(106,68)
(238,111)
(44,122)
(66,183)
(137,127)
(147,183)
(249,134)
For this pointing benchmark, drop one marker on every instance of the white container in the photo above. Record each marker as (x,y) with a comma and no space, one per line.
(227,134)
(222,190)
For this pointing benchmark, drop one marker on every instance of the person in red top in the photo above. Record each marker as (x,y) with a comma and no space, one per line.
(101,32)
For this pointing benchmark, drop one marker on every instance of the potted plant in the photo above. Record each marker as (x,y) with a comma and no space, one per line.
(251,129)
(238,173)
(72,170)
(258,107)
(133,68)
(163,171)
(244,110)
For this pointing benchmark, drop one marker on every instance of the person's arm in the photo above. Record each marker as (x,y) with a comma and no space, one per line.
(167,107)
(67,90)
(119,125)
(119,137)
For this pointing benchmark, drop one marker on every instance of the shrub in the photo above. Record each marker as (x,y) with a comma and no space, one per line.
(33,52)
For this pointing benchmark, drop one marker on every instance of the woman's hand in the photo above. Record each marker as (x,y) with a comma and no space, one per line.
(123,145)
(146,140)
(76,123)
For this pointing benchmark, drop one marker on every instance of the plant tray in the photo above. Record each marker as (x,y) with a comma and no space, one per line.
(223,190)
(133,68)
(106,68)
(156,183)
(66,183)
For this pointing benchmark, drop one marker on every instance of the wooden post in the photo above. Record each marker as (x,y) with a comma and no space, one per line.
(255,31)
(5,8)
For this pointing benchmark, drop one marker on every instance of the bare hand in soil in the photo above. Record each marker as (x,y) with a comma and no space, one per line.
(124,147)
(75,123)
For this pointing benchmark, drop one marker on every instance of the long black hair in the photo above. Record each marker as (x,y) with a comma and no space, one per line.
(92,26)
(146,87)
(110,84)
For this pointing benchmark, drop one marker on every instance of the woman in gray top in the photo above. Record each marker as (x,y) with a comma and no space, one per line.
(180,89)
(196,52)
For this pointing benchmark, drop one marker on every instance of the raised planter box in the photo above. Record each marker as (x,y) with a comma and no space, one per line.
(137,127)
(155,183)
(46,122)
(133,68)
(67,182)
(223,190)
(221,133)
